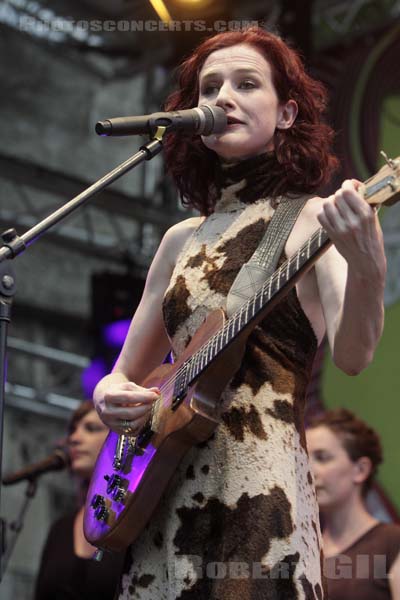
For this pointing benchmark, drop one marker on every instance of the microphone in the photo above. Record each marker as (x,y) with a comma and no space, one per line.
(55,462)
(203,120)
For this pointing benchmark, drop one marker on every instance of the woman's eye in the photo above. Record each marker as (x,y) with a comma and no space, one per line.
(207,90)
(323,457)
(93,428)
(247,84)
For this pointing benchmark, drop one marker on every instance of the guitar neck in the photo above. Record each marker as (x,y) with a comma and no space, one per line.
(276,286)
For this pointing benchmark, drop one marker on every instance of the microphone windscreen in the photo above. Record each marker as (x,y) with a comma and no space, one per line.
(215,119)
(220,119)
(58,460)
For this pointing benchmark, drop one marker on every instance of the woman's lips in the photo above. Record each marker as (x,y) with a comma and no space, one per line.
(234,124)
(234,121)
(75,455)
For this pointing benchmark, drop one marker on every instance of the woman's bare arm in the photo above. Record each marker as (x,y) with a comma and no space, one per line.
(343,293)
(351,279)
(118,396)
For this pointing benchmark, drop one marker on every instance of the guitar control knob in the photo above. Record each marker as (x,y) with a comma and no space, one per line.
(97,500)
(118,494)
(113,482)
(101,513)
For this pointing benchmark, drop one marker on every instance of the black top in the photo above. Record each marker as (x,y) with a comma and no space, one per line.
(65,576)
(360,572)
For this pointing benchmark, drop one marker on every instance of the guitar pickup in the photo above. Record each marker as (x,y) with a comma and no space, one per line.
(177,401)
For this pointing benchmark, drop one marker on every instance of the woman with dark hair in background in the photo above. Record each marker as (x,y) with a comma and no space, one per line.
(239,519)
(67,571)
(362,560)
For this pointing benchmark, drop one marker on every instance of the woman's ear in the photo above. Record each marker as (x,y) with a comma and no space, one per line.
(363,468)
(287,114)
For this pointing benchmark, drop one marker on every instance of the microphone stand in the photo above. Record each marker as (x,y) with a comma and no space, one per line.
(15,245)
(7,291)
(17,525)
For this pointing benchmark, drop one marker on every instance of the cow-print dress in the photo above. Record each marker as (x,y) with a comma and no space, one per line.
(239,520)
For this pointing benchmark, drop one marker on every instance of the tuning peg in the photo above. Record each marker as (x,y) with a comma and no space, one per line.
(393,164)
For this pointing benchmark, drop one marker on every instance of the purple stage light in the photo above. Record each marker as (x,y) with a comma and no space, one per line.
(92,375)
(114,334)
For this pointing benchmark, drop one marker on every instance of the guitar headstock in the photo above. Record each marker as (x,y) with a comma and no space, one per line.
(384,186)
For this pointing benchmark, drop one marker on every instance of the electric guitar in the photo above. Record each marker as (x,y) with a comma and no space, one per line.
(132,473)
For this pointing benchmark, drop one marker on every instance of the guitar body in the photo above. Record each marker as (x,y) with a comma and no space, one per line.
(145,474)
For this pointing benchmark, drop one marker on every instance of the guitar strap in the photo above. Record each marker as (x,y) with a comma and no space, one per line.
(262,264)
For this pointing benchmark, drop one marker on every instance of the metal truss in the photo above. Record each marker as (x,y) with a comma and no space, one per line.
(131,226)
(116,229)
(37,398)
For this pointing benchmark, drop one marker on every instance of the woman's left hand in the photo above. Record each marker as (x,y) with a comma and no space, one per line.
(353,226)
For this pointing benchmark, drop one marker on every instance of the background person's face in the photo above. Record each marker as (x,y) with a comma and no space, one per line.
(336,475)
(239,80)
(85,442)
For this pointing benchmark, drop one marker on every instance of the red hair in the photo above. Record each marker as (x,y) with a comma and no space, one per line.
(303,157)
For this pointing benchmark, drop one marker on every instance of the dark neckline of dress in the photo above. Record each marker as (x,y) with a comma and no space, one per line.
(358,540)
(245,181)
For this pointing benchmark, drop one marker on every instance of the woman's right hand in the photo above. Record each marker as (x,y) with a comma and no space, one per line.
(126,406)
